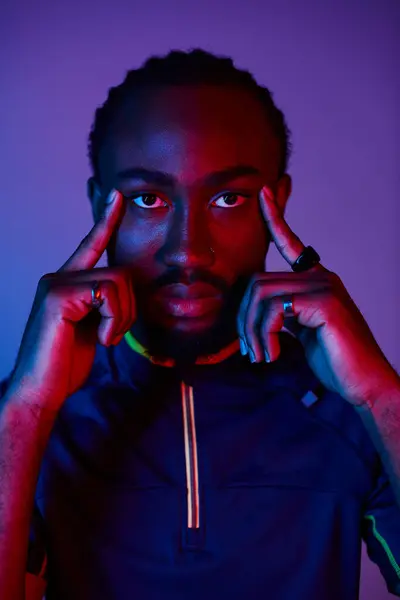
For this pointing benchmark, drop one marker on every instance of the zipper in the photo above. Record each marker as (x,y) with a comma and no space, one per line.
(191,457)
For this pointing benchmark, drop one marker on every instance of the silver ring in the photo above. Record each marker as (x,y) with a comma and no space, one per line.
(288,308)
(97,300)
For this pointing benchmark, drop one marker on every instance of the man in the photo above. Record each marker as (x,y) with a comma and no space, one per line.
(171,464)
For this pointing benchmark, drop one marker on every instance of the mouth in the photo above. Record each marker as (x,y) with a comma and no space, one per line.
(189,301)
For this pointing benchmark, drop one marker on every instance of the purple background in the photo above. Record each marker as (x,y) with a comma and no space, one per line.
(333,67)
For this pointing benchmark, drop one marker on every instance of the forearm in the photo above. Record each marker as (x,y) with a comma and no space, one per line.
(23,438)
(382,422)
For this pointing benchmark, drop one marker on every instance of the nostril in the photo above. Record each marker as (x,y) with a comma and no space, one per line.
(190,256)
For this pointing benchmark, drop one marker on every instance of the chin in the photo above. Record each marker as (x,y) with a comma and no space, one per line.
(166,333)
(185,339)
(188,327)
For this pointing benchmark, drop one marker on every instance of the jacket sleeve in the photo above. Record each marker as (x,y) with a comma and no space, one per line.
(381,532)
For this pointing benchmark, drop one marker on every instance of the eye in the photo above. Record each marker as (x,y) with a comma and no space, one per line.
(148,201)
(231,200)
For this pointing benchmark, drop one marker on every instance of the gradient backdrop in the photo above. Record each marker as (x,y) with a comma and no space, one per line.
(333,66)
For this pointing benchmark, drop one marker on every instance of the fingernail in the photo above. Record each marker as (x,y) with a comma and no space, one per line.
(243,347)
(252,356)
(267,358)
(111,197)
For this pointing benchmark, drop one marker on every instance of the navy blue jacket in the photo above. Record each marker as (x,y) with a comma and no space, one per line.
(231,480)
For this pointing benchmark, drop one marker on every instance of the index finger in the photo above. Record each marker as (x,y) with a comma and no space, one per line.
(287,242)
(89,251)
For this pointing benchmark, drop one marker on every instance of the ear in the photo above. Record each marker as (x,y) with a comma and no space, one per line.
(283,191)
(96,198)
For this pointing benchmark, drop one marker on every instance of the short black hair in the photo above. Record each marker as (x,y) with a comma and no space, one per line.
(196,66)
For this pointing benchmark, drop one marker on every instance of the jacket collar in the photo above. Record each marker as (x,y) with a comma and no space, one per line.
(210,359)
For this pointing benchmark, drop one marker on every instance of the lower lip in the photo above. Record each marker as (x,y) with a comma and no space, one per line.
(181,307)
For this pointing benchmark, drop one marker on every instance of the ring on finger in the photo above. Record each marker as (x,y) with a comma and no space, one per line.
(97,299)
(288,306)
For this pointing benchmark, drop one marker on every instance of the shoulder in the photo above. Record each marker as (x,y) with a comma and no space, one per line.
(337,415)
(328,409)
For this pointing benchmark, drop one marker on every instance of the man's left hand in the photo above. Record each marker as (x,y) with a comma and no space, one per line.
(339,346)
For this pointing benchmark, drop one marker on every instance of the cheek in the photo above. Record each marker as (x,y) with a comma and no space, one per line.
(243,243)
(136,246)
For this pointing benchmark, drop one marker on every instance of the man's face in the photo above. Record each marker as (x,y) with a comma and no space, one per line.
(193,237)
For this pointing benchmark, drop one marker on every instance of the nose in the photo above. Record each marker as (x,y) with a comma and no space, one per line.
(188,243)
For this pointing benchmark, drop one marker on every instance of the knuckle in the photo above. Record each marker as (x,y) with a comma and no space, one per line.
(258,289)
(46,277)
(256,284)
(46,281)
(335,279)
(256,280)
(261,280)
(261,291)
(54,297)
(284,247)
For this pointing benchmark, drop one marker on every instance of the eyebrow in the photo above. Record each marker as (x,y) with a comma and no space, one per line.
(161,178)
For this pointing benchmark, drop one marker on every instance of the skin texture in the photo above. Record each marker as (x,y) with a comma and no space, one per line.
(189,132)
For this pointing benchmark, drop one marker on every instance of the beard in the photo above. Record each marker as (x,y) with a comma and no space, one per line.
(162,340)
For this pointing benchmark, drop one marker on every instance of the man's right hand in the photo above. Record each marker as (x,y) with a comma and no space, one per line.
(59,342)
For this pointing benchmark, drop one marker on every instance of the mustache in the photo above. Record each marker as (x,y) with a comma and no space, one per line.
(176,276)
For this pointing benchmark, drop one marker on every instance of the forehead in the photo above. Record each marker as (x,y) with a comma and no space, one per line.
(189,131)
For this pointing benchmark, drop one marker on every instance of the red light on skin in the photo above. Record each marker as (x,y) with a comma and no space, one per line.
(190,308)
(189,301)
(193,291)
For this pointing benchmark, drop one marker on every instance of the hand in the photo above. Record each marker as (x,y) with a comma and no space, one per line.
(59,342)
(338,343)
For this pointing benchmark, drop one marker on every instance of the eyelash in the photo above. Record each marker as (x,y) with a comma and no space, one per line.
(136,196)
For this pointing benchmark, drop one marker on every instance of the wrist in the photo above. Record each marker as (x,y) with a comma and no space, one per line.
(386,389)
(388,392)
(383,411)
